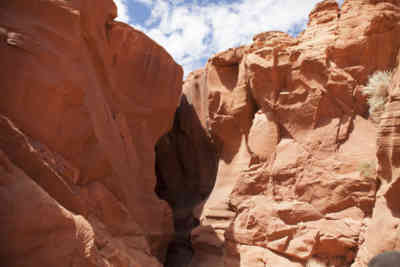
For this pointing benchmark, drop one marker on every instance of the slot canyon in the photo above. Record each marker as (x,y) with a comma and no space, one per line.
(268,156)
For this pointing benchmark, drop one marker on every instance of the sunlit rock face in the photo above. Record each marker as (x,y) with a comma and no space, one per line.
(381,234)
(84,101)
(296,178)
(266,157)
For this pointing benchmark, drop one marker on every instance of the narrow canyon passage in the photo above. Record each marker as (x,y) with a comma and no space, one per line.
(270,155)
(186,168)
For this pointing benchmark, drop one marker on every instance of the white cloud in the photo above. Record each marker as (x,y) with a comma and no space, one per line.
(146,2)
(122,10)
(160,11)
(192,32)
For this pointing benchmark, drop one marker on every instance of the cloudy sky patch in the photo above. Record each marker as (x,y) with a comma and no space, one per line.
(193,30)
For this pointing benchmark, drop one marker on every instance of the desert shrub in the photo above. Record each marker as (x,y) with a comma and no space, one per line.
(312,262)
(368,169)
(377,90)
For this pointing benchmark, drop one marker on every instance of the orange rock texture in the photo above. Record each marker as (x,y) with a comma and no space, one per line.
(266,157)
(382,233)
(296,183)
(84,101)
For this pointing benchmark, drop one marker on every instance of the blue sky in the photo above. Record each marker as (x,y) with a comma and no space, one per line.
(193,30)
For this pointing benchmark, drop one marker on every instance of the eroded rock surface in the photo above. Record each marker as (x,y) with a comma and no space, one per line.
(296,179)
(84,101)
(382,233)
(186,166)
(268,161)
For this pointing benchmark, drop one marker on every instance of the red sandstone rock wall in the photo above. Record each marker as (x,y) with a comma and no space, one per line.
(296,180)
(186,166)
(84,100)
(382,233)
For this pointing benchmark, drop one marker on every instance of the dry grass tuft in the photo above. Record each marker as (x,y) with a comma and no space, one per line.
(368,169)
(312,262)
(377,90)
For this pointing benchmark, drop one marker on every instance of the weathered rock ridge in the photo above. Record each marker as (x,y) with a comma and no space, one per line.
(266,159)
(382,233)
(84,101)
(296,180)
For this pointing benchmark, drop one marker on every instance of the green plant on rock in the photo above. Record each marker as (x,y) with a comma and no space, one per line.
(377,90)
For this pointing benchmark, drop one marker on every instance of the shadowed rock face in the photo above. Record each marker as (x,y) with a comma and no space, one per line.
(186,167)
(84,101)
(386,259)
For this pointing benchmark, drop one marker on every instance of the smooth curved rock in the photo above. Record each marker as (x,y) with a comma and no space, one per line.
(93,96)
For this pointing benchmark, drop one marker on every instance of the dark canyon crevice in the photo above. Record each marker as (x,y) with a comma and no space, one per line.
(186,168)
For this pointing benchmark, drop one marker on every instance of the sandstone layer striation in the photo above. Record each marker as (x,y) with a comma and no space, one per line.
(296,180)
(266,157)
(84,101)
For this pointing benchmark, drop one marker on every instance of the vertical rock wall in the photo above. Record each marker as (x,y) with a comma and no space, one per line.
(84,101)
(268,161)
(382,233)
(296,181)
(186,166)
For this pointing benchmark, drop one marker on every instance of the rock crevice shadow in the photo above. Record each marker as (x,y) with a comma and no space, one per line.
(186,168)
